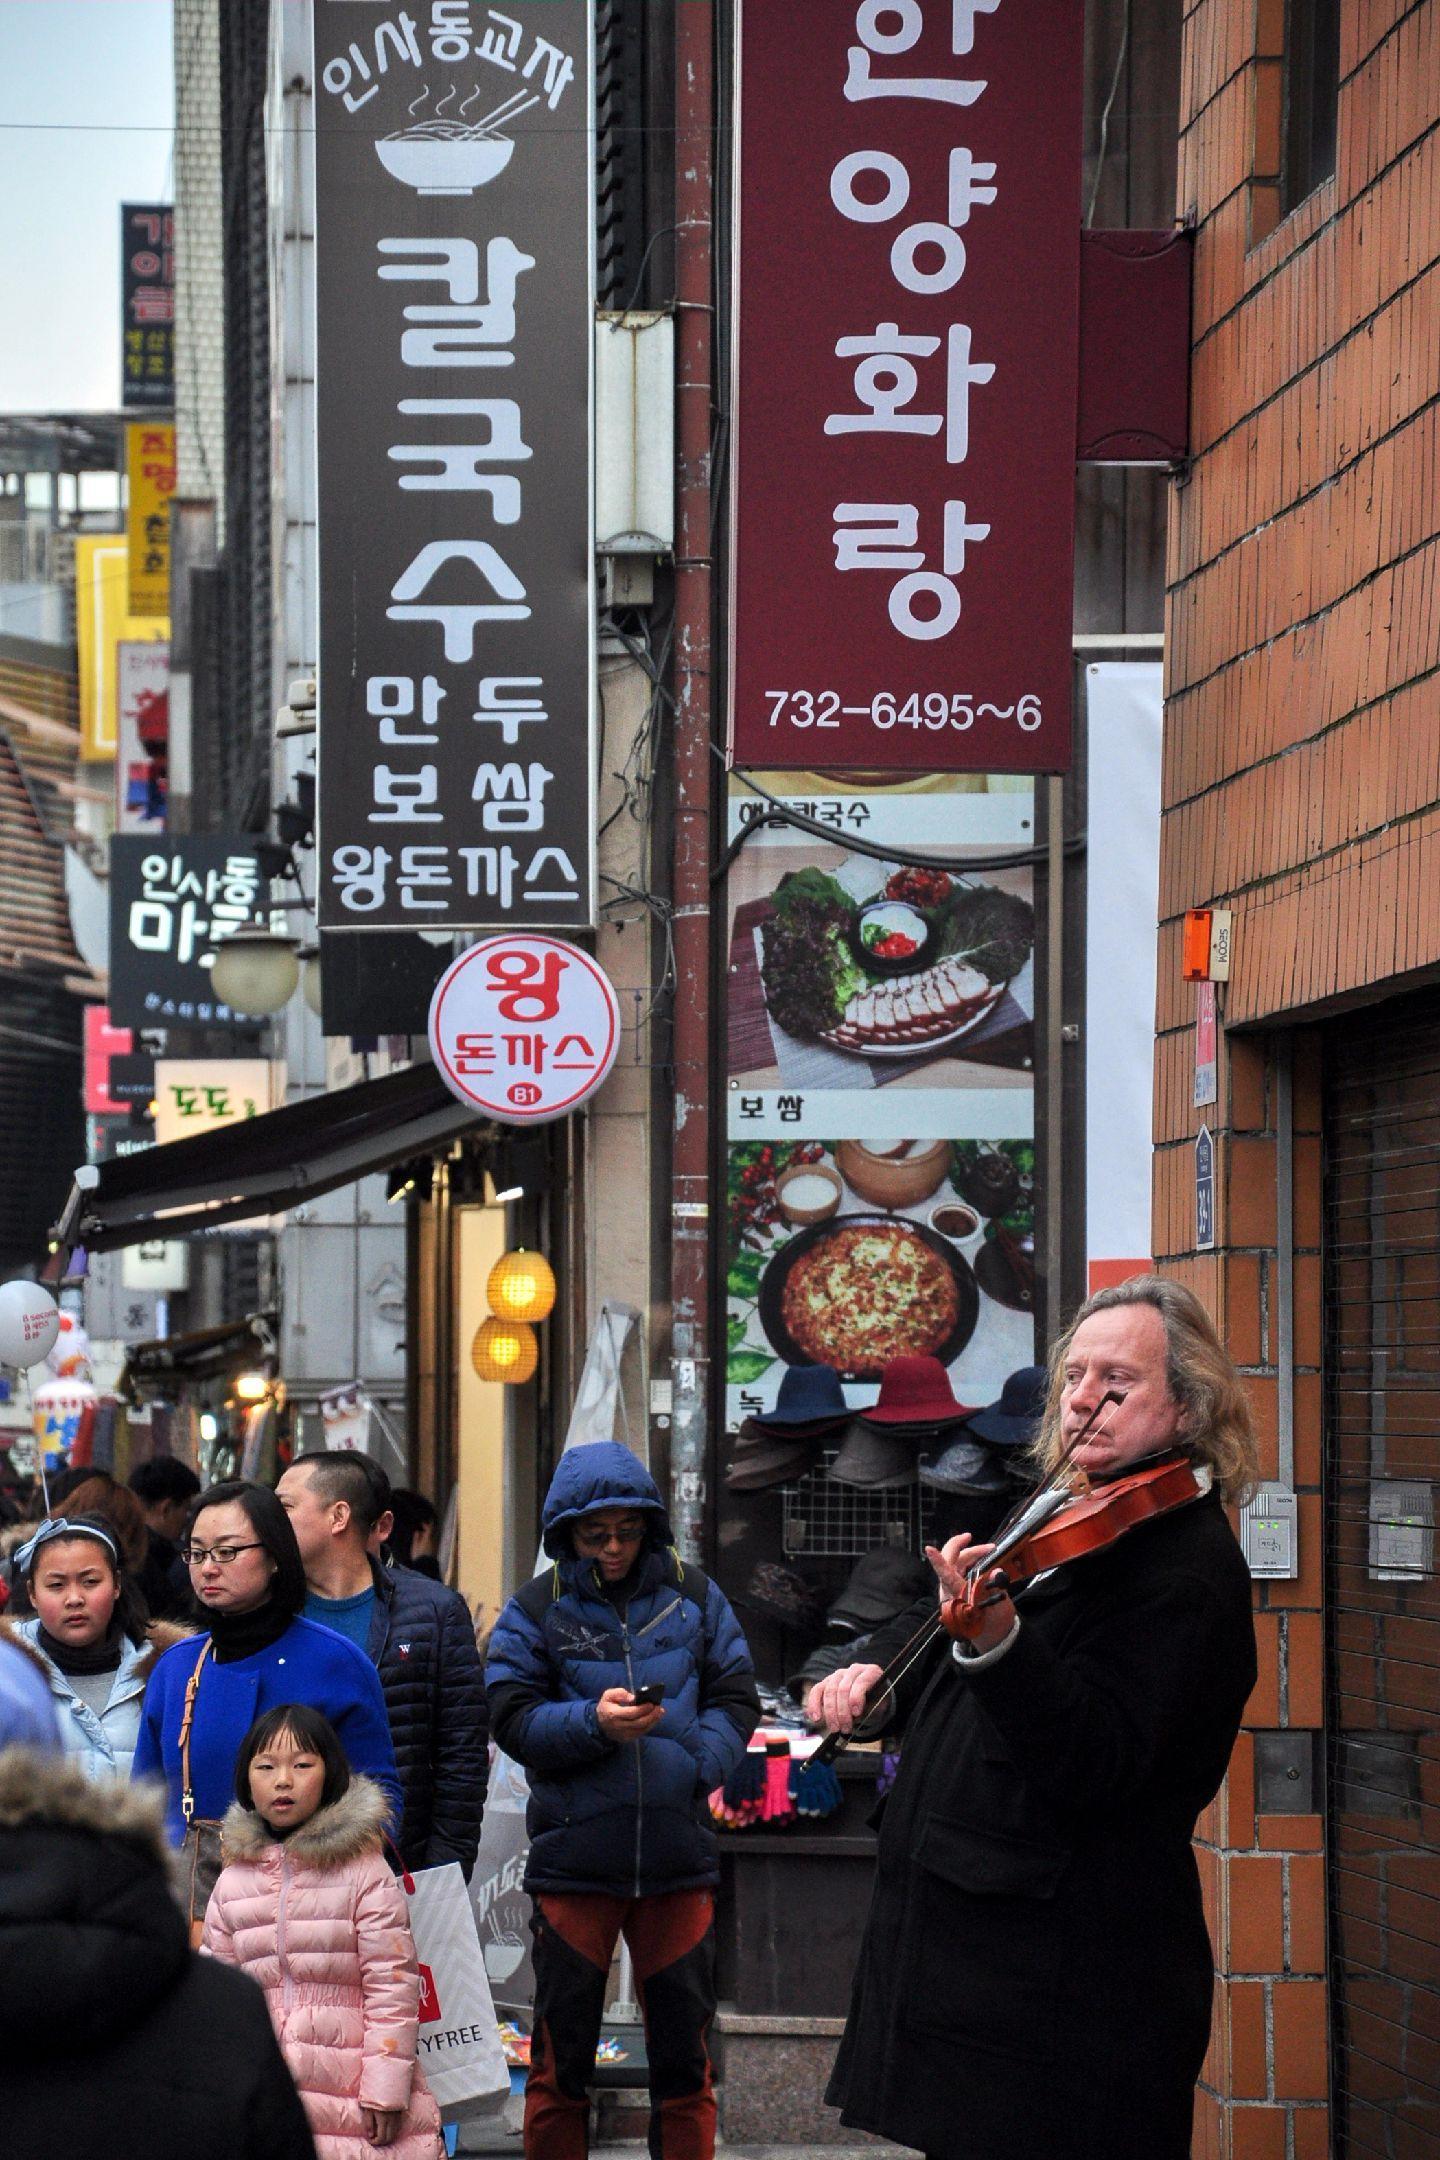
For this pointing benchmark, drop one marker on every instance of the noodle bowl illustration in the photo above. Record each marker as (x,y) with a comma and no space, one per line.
(452,157)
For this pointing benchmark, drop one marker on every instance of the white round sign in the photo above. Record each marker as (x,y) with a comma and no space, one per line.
(524,1028)
(29,1323)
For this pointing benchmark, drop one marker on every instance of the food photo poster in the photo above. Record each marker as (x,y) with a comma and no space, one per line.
(853,973)
(891,1000)
(849,1253)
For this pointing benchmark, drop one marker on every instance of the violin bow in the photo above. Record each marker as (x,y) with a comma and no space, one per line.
(1047,1498)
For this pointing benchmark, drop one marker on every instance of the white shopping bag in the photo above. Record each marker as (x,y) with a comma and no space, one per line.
(459,2051)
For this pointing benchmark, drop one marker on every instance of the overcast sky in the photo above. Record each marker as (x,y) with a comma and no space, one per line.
(86,114)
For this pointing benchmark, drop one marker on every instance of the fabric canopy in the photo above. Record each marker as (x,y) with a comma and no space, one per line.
(265,1165)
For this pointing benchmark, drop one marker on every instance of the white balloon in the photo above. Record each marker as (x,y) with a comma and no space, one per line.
(29,1323)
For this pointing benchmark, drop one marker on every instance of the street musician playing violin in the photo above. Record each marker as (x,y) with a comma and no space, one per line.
(1036,1975)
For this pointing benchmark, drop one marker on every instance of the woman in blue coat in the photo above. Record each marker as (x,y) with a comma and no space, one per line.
(246,1574)
(622,1682)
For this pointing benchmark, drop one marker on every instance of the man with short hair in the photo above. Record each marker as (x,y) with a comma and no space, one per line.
(165,1488)
(419,1637)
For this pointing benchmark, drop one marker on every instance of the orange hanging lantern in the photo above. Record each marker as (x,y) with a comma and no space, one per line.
(505,1350)
(521,1286)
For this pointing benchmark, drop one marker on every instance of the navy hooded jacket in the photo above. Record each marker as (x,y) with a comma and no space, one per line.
(626,1818)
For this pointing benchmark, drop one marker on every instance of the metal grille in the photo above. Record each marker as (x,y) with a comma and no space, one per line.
(1382,1254)
(823,1517)
(620,152)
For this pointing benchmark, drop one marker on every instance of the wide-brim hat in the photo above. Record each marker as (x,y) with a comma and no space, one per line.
(867,1457)
(882,1583)
(784,1595)
(765,1463)
(916,1391)
(1014,1420)
(966,1466)
(811,1400)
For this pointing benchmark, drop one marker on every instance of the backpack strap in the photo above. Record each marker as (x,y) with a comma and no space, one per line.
(694,1583)
(537,1596)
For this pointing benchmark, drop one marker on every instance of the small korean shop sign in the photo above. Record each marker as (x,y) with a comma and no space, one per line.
(454,231)
(524,1028)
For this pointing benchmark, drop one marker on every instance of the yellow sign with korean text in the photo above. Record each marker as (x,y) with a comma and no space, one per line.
(150,473)
(102,620)
(195,1095)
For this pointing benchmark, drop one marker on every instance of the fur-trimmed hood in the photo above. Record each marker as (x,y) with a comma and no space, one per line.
(349,1828)
(90,1933)
(53,1790)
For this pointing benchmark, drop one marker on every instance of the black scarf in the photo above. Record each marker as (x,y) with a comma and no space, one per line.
(242,1634)
(102,1656)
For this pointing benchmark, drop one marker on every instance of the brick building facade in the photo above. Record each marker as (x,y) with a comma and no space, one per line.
(1302,790)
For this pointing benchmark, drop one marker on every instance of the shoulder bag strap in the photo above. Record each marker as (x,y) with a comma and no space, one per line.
(192,1689)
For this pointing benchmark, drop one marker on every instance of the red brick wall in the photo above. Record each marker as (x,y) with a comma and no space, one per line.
(1302,790)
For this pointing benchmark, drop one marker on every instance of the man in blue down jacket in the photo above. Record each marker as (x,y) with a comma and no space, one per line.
(620,1839)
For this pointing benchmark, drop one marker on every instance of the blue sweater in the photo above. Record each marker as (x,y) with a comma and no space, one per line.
(308,1664)
(629,1818)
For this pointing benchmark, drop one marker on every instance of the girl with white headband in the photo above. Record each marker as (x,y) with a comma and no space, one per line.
(89,1633)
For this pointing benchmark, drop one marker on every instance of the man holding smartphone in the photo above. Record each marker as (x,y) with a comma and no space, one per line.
(621,1680)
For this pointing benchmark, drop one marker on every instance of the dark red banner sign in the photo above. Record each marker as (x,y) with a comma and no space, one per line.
(907,266)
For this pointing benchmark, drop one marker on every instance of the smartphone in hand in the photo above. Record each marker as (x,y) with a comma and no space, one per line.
(646,1696)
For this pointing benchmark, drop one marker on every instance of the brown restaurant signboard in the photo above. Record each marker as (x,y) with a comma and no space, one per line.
(455,312)
(906,356)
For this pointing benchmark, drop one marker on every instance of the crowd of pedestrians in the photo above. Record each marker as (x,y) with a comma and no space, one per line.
(257,1682)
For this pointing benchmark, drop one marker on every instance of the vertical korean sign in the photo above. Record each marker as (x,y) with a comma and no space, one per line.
(147,306)
(907,309)
(455,310)
(150,478)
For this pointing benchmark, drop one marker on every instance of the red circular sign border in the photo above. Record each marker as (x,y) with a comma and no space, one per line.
(446,983)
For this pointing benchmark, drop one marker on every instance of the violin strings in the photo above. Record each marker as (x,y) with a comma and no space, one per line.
(1047,1483)
(911,1651)
(933,1625)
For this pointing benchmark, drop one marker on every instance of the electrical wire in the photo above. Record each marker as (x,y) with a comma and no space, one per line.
(1105,119)
(780,813)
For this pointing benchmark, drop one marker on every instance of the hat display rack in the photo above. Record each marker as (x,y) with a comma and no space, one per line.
(823,1518)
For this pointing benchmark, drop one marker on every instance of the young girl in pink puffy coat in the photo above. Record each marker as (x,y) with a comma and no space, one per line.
(307,1906)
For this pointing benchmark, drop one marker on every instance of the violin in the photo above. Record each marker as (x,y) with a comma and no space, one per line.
(1091,1522)
(1060,1522)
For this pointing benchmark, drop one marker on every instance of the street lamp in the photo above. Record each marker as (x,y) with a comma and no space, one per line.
(255,971)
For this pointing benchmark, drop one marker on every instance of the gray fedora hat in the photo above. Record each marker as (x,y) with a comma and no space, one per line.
(867,1457)
(966,1466)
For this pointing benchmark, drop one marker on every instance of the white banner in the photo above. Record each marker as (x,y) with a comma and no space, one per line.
(1124,705)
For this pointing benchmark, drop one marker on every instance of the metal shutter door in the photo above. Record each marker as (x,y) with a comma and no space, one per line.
(1382,1787)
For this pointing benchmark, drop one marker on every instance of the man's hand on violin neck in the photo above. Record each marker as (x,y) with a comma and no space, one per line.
(951,1564)
(838,1701)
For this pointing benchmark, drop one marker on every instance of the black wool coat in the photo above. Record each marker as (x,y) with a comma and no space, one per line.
(1036,1975)
(114,2035)
(422,1645)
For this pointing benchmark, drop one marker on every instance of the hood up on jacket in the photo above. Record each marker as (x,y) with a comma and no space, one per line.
(90,1933)
(349,1828)
(599,1474)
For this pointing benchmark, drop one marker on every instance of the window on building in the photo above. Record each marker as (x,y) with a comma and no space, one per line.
(1311,90)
